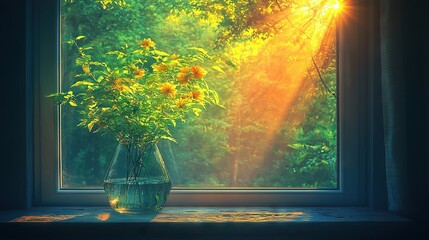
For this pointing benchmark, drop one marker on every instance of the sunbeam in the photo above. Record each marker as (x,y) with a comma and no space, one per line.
(280,76)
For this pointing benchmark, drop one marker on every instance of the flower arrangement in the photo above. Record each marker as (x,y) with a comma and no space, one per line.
(139,95)
(136,96)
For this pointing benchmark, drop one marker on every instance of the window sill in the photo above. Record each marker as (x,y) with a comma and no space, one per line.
(206,223)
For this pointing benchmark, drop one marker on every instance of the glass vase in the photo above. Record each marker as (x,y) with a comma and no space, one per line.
(137,180)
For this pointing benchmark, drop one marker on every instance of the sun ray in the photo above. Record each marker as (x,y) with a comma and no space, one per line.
(276,79)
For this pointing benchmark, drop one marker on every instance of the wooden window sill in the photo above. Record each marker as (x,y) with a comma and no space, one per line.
(206,223)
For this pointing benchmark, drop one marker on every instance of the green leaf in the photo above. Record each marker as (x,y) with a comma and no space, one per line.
(82,123)
(231,64)
(80,61)
(160,53)
(97,63)
(140,51)
(112,52)
(173,122)
(201,50)
(169,138)
(196,111)
(91,124)
(217,68)
(79,83)
(199,57)
(297,146)
(53,95)
(119,54)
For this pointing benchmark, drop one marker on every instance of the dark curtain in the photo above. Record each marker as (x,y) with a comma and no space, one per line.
(405,96)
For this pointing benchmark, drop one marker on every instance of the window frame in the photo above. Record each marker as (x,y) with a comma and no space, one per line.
(352,127)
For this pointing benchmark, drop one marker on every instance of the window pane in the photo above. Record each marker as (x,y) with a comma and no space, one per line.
(273,64)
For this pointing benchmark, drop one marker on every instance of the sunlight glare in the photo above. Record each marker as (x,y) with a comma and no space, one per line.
(337,6)
(281,81)
(103,216)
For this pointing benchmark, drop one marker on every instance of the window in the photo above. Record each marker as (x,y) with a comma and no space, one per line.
(247,44)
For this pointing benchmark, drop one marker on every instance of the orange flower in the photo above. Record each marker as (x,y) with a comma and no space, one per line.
(168,89)
(185,70)
(120,88)
(196,95)
(198,72)
(139,72)
(117,84)
(174,56)
(147,43)
(86,69)
(181,103)
(160,67)
(184,75)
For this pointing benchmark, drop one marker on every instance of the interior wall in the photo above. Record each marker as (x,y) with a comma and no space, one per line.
(13,112)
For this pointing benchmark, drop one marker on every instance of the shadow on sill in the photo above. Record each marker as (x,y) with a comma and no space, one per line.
(208,223)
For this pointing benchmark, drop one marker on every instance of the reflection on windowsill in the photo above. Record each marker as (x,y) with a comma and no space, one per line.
(228,216)
(201,215)
(43,218)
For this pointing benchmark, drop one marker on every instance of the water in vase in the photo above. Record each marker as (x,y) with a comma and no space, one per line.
(137,196)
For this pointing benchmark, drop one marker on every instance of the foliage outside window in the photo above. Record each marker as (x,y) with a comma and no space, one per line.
(273,64)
